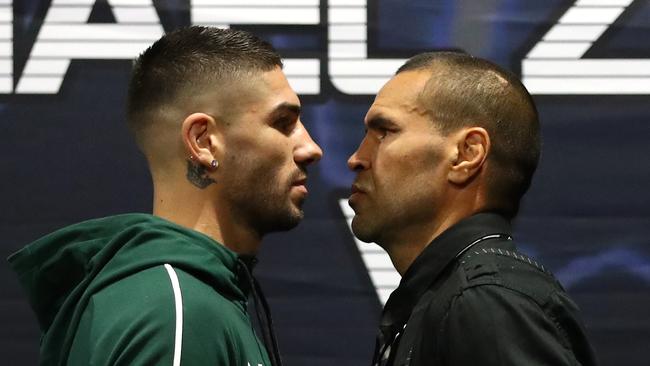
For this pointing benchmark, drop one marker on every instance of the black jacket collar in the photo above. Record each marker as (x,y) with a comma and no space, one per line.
(428,266)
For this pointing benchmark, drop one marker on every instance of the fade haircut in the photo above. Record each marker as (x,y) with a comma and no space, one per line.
(465,91)
(191,59)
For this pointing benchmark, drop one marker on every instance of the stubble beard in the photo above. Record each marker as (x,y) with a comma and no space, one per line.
(266,205)
(278,214)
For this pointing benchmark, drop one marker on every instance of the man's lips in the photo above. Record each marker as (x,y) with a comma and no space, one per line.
(357,189)
(300,184)
(355,196)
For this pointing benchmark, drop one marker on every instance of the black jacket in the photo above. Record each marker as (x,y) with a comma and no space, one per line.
(470,299)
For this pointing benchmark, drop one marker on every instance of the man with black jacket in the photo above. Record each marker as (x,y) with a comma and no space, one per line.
(451,146)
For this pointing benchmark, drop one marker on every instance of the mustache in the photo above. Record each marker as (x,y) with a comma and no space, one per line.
(358,187)
(300,175)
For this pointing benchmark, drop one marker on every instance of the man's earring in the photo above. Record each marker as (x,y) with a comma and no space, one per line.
(214,164)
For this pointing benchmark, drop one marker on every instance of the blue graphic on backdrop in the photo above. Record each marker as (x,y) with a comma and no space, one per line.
(583,268)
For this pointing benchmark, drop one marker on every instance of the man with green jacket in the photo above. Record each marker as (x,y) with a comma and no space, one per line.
(220,127)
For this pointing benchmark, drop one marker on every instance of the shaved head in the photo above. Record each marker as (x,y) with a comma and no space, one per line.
(464,91)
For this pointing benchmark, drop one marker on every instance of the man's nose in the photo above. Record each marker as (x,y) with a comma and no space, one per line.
(308,152)
(356,162)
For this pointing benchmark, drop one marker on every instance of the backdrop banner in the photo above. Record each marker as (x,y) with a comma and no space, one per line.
(67,155)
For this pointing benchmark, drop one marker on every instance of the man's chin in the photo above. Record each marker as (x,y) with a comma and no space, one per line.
(285,222)
(296,216)
(362,231)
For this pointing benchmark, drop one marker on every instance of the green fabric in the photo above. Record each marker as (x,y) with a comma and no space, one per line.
(103,296)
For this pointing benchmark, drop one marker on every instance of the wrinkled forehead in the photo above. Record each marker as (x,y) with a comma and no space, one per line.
(400,95)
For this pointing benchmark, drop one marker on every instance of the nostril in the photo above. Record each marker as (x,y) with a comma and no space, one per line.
(355,165)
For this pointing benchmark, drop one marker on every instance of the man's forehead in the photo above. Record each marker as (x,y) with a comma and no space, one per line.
(271,91)
(400,95)
(405,84)
(258,91)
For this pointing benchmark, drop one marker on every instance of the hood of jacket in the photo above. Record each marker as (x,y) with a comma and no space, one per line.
(63,269)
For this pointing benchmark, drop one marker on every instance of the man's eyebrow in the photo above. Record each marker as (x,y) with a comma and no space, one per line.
(379,122)
(287,107)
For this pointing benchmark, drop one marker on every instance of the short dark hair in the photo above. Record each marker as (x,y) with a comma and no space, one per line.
(191,57)
(463,91)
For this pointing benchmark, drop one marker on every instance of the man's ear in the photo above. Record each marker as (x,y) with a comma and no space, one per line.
(473,146)
(201,139)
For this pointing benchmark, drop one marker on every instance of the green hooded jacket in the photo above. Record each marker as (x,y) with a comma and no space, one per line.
(138,290)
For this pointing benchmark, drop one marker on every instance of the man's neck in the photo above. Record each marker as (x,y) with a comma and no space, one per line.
(197,210)
(407,244)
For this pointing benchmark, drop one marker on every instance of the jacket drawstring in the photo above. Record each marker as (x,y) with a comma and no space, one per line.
(263,314)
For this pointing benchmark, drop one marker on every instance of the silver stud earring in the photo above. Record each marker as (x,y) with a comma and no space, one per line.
(214,164)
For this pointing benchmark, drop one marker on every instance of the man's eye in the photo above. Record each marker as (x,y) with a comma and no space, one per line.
(284,124)
(382,133)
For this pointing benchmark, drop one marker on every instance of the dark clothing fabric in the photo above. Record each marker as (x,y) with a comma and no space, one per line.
(471,299)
